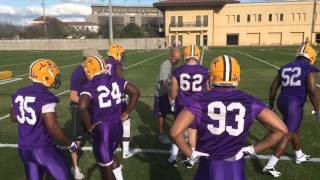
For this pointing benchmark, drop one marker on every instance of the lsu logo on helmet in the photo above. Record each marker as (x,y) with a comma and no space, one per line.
(116,51)
(46,72)
(224,71)
(93,66)
(309,52)
(191,52)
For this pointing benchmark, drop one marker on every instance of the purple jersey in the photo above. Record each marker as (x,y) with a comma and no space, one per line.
(78,79)
(29,103)
(191,80)
(293,78)
(111,66)
(223,119)
(105,92)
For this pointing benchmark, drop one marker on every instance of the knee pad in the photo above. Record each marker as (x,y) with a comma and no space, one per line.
(126,128)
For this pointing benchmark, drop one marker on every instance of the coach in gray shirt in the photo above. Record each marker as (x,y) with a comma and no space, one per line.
(161,100)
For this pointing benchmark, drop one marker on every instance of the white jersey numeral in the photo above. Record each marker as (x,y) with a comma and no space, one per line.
(220,116)
(24,108)
(105,92)
(293,80)
(195,85)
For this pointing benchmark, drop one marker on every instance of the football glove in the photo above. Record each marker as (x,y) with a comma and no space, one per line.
(73,147)
(172,105)
(316,115)
(249,150)
(195,156)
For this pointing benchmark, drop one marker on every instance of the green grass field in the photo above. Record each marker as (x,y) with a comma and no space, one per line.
(143,67)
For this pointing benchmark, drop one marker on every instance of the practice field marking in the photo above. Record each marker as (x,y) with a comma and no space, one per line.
(163,151)
(6,81)
(64,92)
(258,59)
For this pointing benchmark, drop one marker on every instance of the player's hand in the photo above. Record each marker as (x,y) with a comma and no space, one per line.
(172,105)
(93,126)
(249,150)
(124,116)
(196,155)
(73,147)
(316,115)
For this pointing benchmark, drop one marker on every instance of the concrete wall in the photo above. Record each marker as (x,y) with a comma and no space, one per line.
(78,44)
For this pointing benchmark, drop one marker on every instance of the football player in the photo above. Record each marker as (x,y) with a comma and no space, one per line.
(297,80)
(223,116)
(187,80)
(33,108)
(77,81)
(102,114)
(115,68)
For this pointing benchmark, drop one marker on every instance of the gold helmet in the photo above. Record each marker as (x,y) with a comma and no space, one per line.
(191,52)
(46,72)
(116,51)
(93,66)
(309,52)
(224,71)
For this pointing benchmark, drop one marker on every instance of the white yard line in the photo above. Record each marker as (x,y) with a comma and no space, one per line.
(64,92)
(6,81)
(164,151)
(260,60)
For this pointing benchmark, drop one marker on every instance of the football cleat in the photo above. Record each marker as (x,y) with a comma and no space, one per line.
(76,172)
(272,171)
(93,66)
(129,153)
(224,71)
(191,52)
(46,72)
(308,51)
(302,158)
(164,139)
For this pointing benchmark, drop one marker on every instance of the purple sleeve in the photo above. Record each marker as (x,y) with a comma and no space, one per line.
(313,69)
(50,98)
(76,79)
(256,107)
(87,90)
(122,84)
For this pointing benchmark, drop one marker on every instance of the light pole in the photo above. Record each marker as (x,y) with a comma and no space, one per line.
(313,19)
(110,24)
(44,18)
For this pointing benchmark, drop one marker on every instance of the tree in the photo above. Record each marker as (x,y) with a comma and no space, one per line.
(131,31)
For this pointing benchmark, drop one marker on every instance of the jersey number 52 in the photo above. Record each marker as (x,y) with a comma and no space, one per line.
(293,79)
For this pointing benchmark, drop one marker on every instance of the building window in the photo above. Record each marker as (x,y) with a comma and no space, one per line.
(248,18)
(173,39)
(205,40)
(198,21)
(205,21)
(238,18)
(232,39)
(132,19)
(281,17)
(304,16)
(259,17)
(180,39)
(270,17)
(173,21)
(180,21)
(318,38)
(197,40)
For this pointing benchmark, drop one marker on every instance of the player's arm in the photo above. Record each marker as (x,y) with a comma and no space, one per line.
(119,71)
(51,123)
(13,116)
(276,126)
(273,90)
(84,103)
(312,90)
(174,88)
(134,95)
(74,97)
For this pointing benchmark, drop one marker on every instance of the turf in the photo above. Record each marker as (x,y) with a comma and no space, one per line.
(255,79)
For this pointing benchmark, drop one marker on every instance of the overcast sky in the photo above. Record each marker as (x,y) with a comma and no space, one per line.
(23,11)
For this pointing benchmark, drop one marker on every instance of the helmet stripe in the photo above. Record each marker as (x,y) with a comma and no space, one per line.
(224,68)
(192,50)
(100,62)
(230,71)
(227,68)
(302,49)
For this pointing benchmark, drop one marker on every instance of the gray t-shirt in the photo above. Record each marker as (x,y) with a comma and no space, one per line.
(166,69)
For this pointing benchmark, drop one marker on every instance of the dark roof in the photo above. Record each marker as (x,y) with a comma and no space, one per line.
(162,5)
(81,24)
(48,18)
